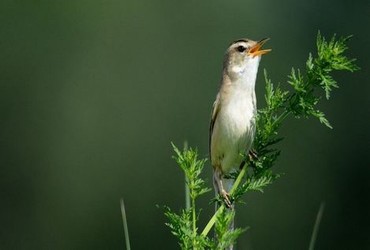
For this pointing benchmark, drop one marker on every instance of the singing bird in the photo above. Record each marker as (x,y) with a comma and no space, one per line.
(233,125)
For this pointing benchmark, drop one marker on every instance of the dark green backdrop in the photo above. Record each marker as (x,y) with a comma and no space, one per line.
(92,93)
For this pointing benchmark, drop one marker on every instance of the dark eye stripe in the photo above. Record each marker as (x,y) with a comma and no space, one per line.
(241,40)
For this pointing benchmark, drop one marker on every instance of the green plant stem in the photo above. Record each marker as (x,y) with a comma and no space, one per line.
(316,226)
(125,227)
(194,217)
(212,221)
(187,194)
(282,117)
(187,190)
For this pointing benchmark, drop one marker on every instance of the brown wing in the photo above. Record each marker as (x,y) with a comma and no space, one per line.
(215,110)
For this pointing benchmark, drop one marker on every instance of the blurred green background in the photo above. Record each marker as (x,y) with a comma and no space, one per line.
(92,93)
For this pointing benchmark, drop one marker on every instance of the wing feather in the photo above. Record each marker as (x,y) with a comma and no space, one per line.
(215,110)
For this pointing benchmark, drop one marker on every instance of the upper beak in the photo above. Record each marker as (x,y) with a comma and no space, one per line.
(256,49)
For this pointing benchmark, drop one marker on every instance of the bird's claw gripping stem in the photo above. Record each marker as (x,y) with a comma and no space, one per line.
(252,155)
(226,198)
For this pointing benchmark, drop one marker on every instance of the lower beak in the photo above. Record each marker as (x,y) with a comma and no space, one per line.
(256,49)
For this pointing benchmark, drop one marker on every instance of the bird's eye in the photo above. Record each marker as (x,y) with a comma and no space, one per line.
(241,48)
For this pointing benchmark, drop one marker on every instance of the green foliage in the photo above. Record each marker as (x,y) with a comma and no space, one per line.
(254,183)
(301,101)
(181,227)
(225,237)
(192,167)
(329,58)
(183,224)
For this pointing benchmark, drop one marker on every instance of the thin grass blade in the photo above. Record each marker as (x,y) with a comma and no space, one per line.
(125,227)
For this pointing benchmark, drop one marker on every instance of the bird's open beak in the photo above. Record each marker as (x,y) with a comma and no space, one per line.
(256,49)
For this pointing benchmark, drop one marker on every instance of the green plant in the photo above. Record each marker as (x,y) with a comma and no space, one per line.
(300,101)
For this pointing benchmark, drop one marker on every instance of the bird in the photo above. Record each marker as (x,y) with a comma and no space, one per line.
(233,118)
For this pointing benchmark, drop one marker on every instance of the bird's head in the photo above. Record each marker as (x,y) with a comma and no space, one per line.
(243,56)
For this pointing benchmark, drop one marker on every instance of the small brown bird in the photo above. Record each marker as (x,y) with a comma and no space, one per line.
(232,126)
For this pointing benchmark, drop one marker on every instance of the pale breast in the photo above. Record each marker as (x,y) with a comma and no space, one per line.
(233,132)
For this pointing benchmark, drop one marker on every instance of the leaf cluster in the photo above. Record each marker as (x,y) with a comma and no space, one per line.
(224,236)
(318,76)
(300,101)
(192,167)
(184,224)
(180,225)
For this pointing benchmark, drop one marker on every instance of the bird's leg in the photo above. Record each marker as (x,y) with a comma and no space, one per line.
(217,179)
(252,155)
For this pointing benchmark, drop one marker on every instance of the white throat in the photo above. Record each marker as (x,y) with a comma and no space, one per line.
(245,75)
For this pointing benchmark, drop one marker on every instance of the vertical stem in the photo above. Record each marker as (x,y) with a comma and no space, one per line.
(194,222)
(316,226)
(194,217)
(187,194)
(125,227)
(187,190)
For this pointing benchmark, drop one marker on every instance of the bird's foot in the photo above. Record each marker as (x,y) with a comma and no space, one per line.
(226,198)
(252,155)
